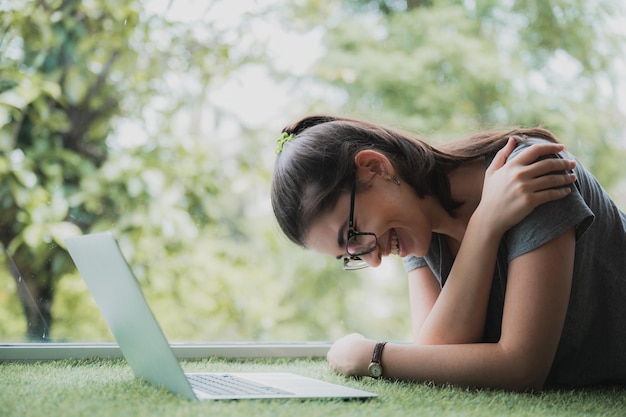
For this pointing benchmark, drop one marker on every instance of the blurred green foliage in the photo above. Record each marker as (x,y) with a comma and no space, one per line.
(190,208)
(448,68)
(107,121)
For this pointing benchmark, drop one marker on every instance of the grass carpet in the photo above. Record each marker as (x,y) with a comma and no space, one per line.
(108,388)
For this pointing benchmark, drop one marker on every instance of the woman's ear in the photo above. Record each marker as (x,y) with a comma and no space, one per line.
(369,163)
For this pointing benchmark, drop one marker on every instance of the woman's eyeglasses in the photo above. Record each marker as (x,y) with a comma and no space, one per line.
(357,243)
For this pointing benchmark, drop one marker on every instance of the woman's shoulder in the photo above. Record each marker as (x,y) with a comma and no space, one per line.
(526,142)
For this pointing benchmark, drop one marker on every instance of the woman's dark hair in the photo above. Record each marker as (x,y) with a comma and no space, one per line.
(317,165)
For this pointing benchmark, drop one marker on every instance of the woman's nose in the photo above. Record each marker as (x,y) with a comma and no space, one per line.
(372,258)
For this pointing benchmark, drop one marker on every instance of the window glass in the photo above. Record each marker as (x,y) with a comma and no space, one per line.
(157,120)
(196,301)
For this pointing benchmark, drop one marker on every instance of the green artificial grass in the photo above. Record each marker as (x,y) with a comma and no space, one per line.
(108,388)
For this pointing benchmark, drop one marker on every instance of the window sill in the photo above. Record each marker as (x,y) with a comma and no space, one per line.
(244,350)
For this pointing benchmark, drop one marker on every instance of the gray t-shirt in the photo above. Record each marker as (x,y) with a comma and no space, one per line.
(592,348)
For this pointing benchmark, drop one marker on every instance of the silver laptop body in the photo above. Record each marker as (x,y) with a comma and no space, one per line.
(142,342)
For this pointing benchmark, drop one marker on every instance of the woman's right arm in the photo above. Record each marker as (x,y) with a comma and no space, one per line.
(456,314)
(423,292)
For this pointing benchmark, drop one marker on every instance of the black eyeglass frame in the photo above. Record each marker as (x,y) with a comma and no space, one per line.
(353,260)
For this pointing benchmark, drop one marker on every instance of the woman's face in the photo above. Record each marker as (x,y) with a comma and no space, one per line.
(393,212)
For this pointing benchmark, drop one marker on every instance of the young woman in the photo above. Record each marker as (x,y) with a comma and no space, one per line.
(515,255)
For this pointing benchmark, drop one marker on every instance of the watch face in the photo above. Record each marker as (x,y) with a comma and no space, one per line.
(375,369)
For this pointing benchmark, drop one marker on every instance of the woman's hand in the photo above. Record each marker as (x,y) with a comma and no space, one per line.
(351,355)
(512,189)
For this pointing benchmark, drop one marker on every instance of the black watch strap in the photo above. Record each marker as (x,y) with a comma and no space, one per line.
(376,368)
(377,356)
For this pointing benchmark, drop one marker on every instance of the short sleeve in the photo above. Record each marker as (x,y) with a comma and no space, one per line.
(548,220)
(412,262)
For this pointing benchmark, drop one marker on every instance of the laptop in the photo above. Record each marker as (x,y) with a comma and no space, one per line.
(141,340)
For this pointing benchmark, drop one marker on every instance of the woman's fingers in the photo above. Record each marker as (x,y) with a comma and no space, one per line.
(543,168)
(550,166)
(500,159)
(556,180)
(532,157)
(546,195)
(536,151)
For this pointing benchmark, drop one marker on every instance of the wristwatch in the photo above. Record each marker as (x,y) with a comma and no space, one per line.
(375,367)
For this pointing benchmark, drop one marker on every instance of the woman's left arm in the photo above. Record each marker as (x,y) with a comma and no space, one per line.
(537,297)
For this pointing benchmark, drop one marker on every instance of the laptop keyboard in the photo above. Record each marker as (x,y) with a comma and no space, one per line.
(226,385)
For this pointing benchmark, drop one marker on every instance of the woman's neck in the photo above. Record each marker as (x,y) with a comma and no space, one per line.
(466,185)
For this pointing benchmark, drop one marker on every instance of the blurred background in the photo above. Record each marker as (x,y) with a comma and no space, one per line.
(157,120)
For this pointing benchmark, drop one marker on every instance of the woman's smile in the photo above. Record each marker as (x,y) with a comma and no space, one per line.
(395,244)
